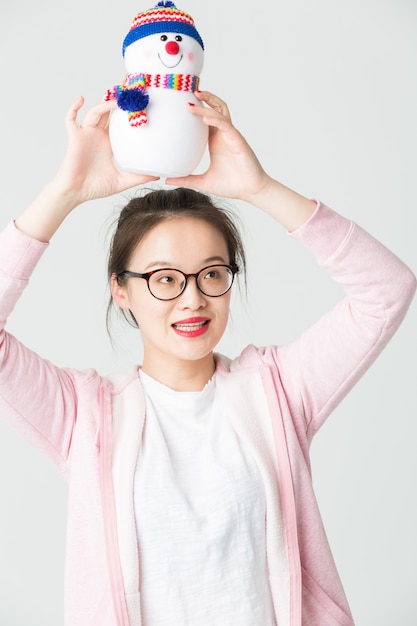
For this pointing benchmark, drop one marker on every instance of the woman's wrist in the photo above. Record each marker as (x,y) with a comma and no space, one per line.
(46,213)
(288,207)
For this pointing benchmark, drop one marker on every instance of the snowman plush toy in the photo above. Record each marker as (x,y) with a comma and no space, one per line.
(152,131)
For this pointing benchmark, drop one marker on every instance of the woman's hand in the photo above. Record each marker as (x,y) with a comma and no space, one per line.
(234,170)
(88,170)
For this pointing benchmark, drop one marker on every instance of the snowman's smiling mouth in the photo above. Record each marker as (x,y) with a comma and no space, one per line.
(170,67)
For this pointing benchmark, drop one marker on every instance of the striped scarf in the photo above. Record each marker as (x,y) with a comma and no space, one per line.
(131,95)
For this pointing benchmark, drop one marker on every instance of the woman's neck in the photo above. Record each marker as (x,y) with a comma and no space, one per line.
(181,375)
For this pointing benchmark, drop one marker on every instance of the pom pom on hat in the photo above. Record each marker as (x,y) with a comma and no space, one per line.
(163,18)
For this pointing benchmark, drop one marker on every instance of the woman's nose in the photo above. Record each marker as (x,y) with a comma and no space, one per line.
(171,47)
(192,297)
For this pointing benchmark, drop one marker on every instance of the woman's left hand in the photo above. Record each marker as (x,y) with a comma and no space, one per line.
(234,170)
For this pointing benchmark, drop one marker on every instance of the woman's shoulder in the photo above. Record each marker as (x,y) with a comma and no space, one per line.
(116,382)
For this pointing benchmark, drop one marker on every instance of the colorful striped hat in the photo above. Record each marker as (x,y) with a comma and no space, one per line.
(163,18)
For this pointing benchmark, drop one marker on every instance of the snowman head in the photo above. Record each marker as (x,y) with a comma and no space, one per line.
(163,40)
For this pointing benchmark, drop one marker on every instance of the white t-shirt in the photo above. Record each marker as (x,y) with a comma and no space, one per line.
(200,515)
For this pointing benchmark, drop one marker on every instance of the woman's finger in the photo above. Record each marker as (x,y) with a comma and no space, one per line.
(214,102)
(71,116)
(214,119)
(98,115)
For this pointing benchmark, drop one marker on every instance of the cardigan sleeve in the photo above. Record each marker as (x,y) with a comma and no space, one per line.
(36,397)
(318,369)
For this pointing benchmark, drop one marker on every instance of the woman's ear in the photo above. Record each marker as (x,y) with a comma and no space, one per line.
(119,293)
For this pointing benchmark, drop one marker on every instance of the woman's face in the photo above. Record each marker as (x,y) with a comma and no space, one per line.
(187,329)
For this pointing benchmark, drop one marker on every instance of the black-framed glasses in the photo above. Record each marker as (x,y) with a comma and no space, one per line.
(168,283)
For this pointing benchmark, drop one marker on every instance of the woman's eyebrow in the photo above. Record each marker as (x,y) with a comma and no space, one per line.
(162,264)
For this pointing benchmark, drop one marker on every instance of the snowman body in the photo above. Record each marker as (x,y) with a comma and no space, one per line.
(172,141)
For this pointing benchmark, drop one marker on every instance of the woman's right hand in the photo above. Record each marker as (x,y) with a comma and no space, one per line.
(88,170)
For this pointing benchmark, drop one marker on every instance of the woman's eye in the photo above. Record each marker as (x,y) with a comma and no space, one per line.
(164,37)
(212,274)
(166,280)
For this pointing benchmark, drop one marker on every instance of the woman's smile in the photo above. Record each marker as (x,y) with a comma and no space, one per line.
(192,327)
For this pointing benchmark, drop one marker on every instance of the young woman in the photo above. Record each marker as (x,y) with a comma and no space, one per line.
(191,499)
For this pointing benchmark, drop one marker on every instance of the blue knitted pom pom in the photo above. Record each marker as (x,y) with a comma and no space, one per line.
(132,100)
(166,4)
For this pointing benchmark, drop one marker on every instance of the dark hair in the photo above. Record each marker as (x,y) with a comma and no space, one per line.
(144,212)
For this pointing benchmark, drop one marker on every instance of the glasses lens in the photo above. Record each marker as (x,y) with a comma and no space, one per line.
(166,284)
(215,280)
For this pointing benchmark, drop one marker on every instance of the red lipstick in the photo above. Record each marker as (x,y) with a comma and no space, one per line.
(192,326)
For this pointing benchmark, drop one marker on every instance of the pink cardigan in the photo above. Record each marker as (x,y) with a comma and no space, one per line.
(277,398)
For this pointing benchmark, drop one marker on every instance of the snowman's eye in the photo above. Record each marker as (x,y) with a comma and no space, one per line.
(164,37)
(178,38)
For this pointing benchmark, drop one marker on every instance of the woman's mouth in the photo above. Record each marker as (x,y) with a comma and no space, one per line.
(193,327)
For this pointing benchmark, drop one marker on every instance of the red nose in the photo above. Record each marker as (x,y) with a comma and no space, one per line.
(172,47)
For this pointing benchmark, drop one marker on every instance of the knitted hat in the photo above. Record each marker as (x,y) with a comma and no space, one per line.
(163,18)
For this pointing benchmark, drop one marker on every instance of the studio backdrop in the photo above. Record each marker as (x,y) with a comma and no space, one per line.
(326,94)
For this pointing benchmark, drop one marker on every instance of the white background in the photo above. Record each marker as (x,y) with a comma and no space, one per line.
(326,93)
